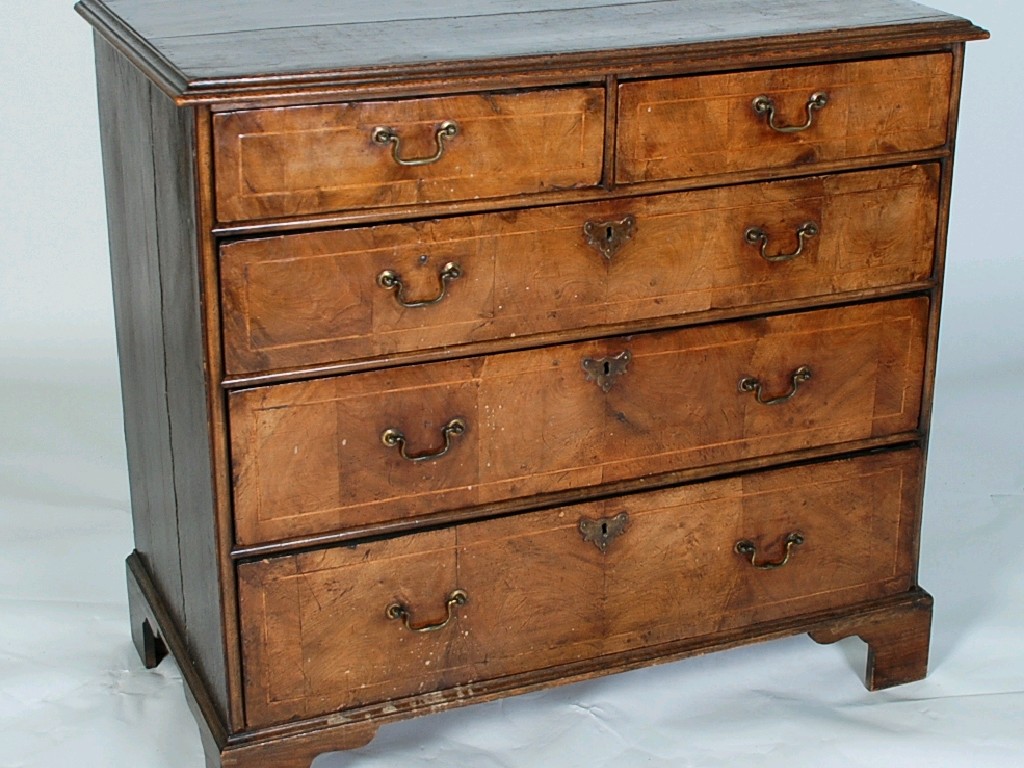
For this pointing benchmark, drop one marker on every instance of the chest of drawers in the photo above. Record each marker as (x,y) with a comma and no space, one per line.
(469,352)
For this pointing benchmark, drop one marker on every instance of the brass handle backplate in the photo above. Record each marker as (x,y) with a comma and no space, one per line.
(751,384)
(603,532)
(393,438)
(609,237)
(403,612)
(392,281)
(757,236)
(748,549)
(381,135)
(763,105)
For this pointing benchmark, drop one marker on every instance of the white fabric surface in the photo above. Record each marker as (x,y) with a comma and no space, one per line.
(72,690)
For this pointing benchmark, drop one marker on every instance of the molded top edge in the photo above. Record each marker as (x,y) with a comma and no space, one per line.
(211,50)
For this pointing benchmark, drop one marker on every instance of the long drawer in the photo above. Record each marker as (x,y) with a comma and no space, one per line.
(293,161)
(332,629)
(686,127)
(310,299)
(325,455)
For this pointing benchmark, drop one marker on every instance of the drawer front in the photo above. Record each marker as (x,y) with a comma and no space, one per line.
(317,636)
(293,161)
(706,125)
(327,455)
(301,300)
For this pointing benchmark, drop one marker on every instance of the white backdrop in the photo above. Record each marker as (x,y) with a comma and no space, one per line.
(72,689)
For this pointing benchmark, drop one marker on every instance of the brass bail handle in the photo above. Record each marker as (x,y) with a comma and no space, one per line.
(382,135)
(756,236)
(748,549)
(765,106)
(752,384)
(394,438)
(392,281)
(403,612)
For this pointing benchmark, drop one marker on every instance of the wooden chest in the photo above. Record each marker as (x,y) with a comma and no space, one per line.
(469,349)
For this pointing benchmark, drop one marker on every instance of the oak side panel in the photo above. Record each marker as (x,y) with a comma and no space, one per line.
(187,380)
(126,122)
(672,573)
(309,457)
(148,160)
(217,406)
(941,235)
(687,127)
(311,299)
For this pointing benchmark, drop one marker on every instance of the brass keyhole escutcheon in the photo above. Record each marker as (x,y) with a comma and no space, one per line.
(605,370)
(603,532)
(609,237)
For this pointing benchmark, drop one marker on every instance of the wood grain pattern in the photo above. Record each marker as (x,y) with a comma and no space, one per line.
(128,172)
(301,160)
(898,643)
(228,48)
(557,599)
(313,299)
(147,145)
(693,126)
(292,745)
(309,459)
(187,18)
(295,750)
(219,468)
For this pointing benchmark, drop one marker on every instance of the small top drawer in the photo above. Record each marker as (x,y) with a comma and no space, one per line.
(687,127)
(292,161)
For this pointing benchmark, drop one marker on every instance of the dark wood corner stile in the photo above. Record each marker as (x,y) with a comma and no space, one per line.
(421,311)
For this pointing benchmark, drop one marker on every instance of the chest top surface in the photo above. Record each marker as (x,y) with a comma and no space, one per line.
(207,49)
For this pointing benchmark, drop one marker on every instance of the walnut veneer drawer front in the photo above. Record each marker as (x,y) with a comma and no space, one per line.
(707,124)
(311,299)
(319,636)
(325,455)
(276,163)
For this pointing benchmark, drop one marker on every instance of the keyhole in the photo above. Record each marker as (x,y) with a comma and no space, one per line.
(607,368)
(609,233)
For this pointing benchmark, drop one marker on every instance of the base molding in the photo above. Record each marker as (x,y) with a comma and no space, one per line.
(896,629)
